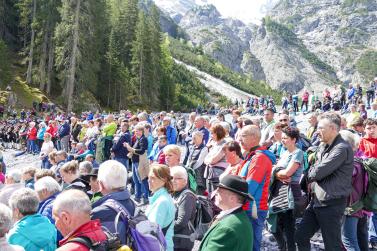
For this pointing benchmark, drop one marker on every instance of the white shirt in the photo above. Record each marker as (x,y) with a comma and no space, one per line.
(224,213)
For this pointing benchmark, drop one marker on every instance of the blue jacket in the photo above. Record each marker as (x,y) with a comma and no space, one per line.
(161,210)
(64,130)
(45,207)
(118,149)
(107,215)
(205,135)
(171,135)
(34,233)
(41,133)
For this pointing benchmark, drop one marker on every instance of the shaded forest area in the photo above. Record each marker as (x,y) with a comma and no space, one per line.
(111,50)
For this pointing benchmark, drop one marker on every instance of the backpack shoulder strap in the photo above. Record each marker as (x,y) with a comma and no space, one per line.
(84,240)
(121,211)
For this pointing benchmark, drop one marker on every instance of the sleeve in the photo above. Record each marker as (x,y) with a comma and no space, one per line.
(224,240)
(298,157)
(185,211)
(256,173)
(328,165)
(215,156)
(143,144)
(201,158)
(158,214)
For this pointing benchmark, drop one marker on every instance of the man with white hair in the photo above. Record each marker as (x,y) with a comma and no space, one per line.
(12,183)
(32,231)
(6,223)
(71,212)
(112,178)
(47,189)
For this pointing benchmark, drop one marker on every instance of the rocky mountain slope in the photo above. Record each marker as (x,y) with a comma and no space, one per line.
(340,32)
(311,43)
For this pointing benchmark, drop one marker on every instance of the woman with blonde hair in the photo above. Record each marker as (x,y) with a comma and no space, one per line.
(172,155)
(161,209)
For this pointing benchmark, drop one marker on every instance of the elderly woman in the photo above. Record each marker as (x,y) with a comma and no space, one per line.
(46,148)
(6,223)
(172,155)
(161,209)
(138,152)
(184,200)
(32,231)
(355,226)
(215,160)
(196,155)
(71,176)
(12,184)
(288,170)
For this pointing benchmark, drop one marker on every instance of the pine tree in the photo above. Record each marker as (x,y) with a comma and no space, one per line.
(141,59)
(80,41)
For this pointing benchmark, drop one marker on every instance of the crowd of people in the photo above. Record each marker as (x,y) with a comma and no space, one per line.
(101,173)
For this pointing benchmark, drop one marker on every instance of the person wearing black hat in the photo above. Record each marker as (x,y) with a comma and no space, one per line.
(231,229)
(94,185)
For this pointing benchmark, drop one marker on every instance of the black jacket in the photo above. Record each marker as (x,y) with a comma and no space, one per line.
(330,177)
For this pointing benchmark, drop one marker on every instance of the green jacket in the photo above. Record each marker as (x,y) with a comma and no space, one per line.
(233,232)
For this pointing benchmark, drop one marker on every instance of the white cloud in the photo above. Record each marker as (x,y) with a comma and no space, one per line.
(245,10)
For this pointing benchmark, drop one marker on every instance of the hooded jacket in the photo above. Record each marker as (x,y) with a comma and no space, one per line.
(256,170)
(33,233)
(103,211)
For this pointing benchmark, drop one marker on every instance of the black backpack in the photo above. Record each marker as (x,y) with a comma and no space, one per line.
(203,218)
(112,242)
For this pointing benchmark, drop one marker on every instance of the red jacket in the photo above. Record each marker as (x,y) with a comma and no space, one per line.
(369,147)
(91,229)
(32,133)
(52,130)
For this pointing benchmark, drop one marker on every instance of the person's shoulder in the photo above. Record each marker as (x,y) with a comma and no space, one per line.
(73,246)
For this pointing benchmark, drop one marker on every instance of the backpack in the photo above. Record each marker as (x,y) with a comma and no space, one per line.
(112,242)
(304,142)
(369,199)
(141,234)
(203,218)
(193,185)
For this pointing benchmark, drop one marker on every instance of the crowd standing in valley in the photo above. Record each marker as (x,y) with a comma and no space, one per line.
(217,177)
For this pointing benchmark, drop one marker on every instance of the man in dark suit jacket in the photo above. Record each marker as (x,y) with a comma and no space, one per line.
(231,229)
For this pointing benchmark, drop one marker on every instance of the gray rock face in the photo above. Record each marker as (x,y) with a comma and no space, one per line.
(226,40)
(337,31)
(334,33)
(283,65)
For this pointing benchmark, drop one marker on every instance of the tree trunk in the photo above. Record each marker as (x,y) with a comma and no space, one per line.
(50,66)
(42,62)
(30,66)
(72,69)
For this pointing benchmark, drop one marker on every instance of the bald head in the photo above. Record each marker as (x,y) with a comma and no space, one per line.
(250,137)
